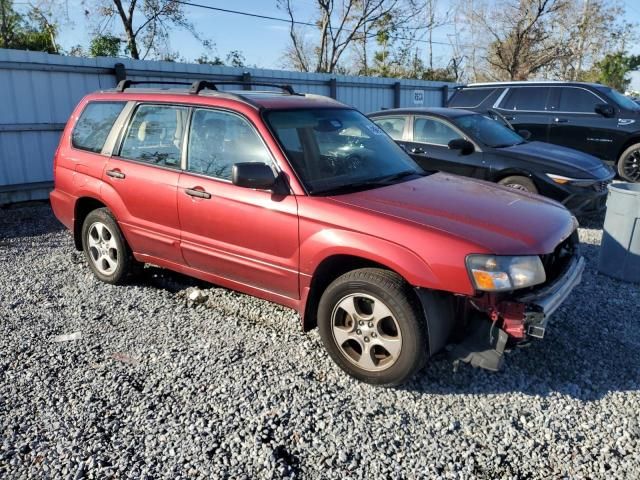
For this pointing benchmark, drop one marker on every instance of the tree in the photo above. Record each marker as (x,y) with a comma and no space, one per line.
(339,25)
(612,70)
(522,43)
(31,32)
(146,24)
(104,46)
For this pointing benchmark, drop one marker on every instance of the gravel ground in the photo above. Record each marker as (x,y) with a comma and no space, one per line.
(155,387)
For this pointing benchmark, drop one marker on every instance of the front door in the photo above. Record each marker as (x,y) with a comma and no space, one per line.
(430,138)
(240,234)
(576,124)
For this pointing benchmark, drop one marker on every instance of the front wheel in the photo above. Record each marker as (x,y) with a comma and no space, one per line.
(629,164)
(373,327)
(518,182)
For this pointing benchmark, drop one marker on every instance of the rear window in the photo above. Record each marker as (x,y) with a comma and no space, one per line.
(473,97)
(94,125)
(526,98)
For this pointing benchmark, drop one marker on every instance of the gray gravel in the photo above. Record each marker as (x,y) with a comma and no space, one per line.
(153,381)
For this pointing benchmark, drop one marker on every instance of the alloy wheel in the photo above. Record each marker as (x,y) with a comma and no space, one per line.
(631,166)
(366,332)
(103,249)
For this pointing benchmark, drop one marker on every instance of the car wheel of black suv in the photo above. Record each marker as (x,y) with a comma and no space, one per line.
(519,183)
(105,248)
(629,164)
(373,327)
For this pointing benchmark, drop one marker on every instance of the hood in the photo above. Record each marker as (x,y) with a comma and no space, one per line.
(497,219)
(562,160)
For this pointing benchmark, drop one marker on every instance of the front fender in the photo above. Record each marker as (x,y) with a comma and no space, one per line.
(329,242)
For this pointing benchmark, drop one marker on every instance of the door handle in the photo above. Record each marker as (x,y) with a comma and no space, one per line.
(560,120)
(115,173)
(417,150)
(197,192)
(509,118)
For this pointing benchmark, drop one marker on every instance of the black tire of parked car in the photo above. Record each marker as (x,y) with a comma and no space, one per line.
(626,161)
(395,294)
(519,183)
(125,261)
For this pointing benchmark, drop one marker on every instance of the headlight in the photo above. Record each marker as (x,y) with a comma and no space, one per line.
(578,182)
(493,273)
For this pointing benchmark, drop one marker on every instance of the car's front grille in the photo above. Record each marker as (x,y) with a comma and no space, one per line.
(601,186)
(555,262)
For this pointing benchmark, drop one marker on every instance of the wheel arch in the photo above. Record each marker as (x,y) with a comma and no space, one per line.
(83,206)
(634,139)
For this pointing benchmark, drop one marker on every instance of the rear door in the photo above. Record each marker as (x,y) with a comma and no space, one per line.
(142,179)
(575,123)
(526,109)
(239,234)
(430,137)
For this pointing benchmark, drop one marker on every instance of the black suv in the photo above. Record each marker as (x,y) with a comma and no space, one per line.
(586,116)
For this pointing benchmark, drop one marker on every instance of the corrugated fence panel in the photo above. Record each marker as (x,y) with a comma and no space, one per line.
(38,92)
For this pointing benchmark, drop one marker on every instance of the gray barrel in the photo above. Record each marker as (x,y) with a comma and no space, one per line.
(620,250)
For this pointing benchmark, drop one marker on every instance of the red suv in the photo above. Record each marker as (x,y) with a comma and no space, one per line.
(303,201)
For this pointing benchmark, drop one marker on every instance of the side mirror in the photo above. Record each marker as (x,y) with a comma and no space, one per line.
(465,146)
(605,110)
(526,134)
(253,175)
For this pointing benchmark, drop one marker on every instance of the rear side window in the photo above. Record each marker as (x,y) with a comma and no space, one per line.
(394,126)
(155,135)
(473,97)
(577,100)
(526,98)
(94,125)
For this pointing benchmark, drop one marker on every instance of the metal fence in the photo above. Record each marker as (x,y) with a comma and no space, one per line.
(38,91)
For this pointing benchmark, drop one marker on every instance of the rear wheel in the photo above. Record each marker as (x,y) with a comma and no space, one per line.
(105,248)
(518,182)
(373,327)
(629,164)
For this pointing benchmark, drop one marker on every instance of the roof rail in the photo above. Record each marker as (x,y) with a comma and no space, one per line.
(124,84)
(199,85)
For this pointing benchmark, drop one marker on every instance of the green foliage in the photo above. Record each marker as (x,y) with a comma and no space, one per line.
(234,58)
(31,32)
(613,68)
(104,46)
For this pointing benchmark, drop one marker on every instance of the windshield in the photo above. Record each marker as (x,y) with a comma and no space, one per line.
(339,150)
(622,100)
(488,131)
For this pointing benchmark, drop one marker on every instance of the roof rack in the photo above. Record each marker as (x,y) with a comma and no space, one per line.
(199,85)
(124,84)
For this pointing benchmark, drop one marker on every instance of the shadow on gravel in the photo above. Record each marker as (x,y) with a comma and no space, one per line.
(30,219)
(174,282)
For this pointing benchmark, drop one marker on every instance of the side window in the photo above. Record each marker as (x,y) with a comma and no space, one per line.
(94,125)
(218,140)
(394,126)
(155,135)
(577,100)
(532,99)
(430,130)
(473,97)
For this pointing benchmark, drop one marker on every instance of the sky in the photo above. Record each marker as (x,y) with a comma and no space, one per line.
(261,41)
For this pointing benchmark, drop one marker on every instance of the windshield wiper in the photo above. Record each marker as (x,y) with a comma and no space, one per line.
(376,182)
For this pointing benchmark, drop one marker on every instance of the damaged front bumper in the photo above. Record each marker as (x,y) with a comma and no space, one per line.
(514,319)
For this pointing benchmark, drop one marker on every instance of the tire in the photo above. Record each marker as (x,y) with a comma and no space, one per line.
(629,164)
(518,182)
(105,248)
(385,342)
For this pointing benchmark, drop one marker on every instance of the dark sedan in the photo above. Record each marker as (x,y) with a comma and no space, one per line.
(474,145)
